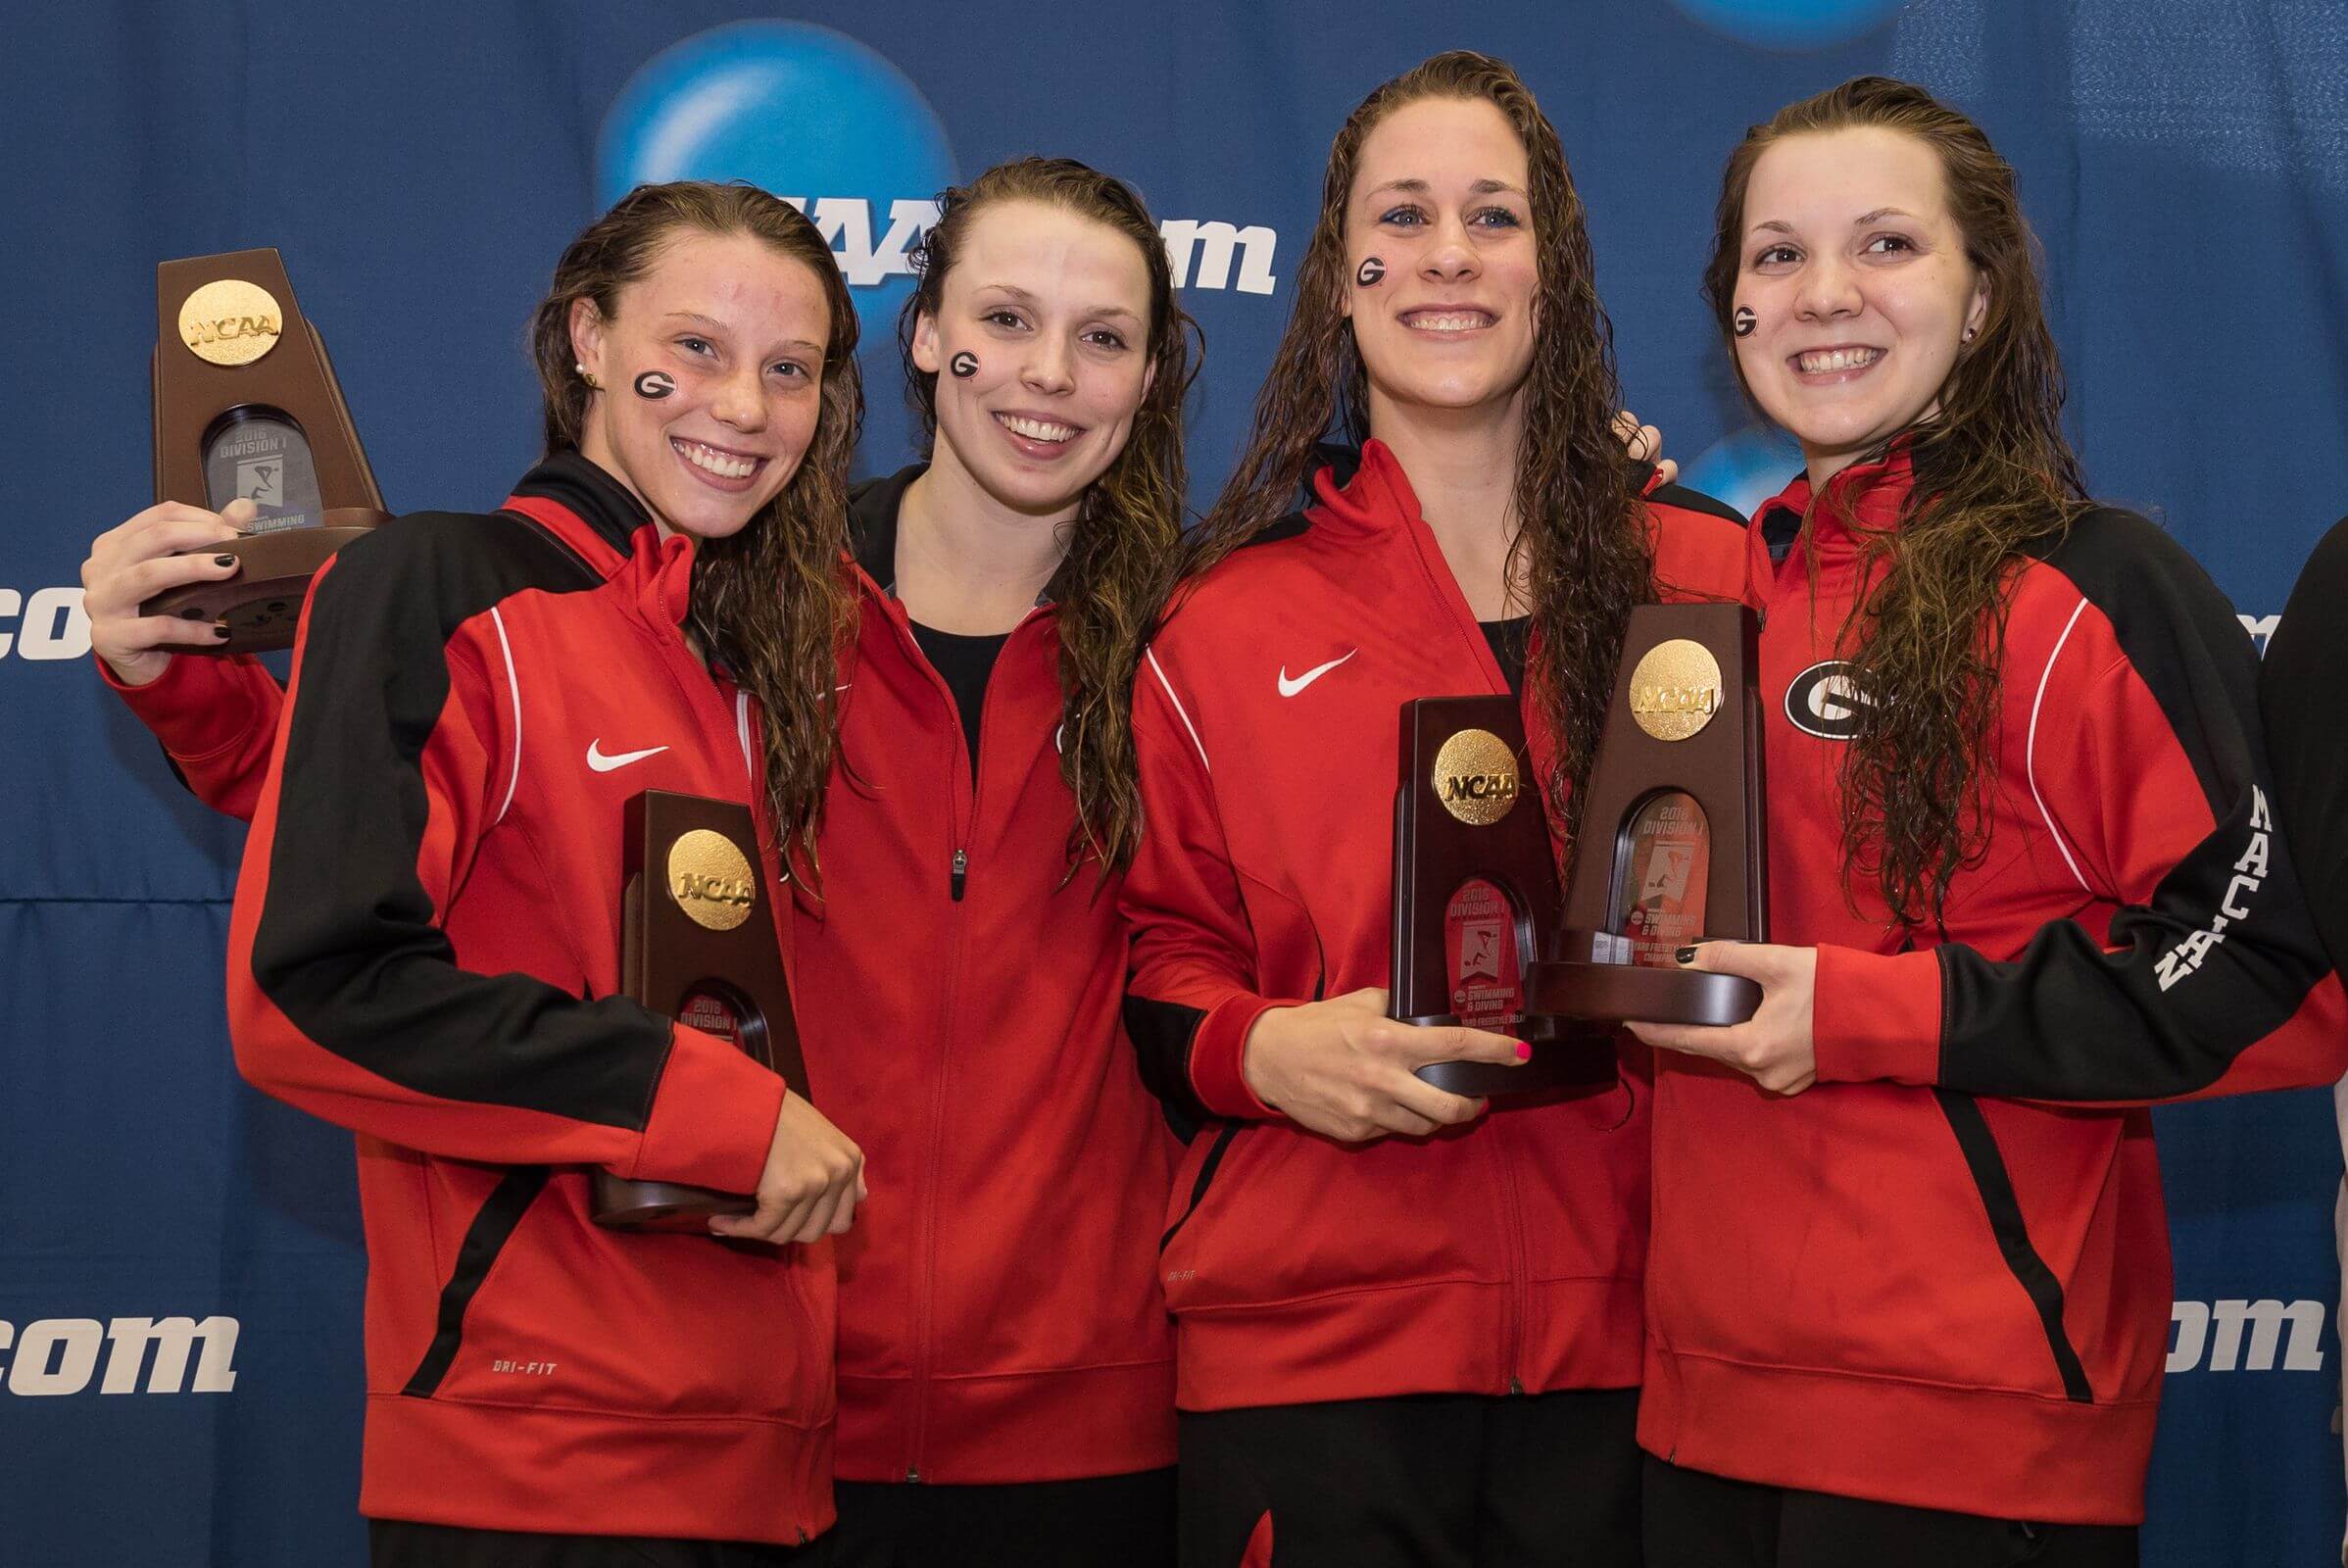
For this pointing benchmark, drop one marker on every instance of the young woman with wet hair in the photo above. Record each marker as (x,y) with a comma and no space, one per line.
(2024,877)
(425,946)
(1005,1367)
(1409,1326)
(1006,1371)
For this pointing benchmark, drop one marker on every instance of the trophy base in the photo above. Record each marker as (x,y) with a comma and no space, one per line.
(1570,1066)
(262,604)
(625,1206)
(1609,993)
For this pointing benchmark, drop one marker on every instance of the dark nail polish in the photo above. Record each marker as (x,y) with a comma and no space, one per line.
(224,561)
(220,631)
(1684,956)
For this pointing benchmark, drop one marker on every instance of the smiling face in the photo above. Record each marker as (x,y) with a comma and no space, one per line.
(1039,344)
(1440,200)
(739,333)
(1859,288)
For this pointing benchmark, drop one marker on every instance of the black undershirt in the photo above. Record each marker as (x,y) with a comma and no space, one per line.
(1507,640)
(967,663)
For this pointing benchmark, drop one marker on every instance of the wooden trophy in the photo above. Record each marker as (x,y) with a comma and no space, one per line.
(246,406)
(698,946)
(1671,848)
(1475,895)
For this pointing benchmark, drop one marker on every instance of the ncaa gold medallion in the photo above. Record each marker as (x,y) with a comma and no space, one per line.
(231,321)
(1474,777)
(712,879)
(1676,689)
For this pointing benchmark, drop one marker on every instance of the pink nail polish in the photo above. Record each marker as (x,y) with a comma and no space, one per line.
(1524,1051)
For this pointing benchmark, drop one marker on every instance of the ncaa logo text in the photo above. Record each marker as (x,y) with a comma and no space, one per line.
(1201,254)
(2207,1336)
(46,624)
(794,107)
(55,1356)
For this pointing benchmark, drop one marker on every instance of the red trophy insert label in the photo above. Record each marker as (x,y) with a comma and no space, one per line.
(1481,957)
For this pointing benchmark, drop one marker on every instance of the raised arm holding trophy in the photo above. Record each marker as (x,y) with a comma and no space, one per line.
(247,408)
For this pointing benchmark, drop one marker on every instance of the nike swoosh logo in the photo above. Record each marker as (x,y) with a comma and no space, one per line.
(1289,688)
(604,765)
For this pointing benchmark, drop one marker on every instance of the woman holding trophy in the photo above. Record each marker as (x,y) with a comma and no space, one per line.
(1907,1302)
(1395,1309)
(426,943)
(957,993)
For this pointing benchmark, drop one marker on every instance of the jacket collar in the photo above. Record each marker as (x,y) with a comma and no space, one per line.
(601,504)
(1368,494)
(873,512)
(593,515)
(1866,497)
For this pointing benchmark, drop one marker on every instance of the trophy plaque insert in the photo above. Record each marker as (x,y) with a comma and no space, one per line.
(247,408)
(1671,851)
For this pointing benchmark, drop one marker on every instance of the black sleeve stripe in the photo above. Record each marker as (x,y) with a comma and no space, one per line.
(1161,1033)
(1996,1184)
(2191,985)
(347,947)
(494,1224)
(1206,1178)
(1687,500)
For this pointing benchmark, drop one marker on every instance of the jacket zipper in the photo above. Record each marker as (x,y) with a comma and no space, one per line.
(966,798)
(1512,1220)
(962,808)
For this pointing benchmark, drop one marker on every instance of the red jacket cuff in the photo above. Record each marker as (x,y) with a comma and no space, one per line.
(1219,1054)
(1876,1016)
(712,1117)
(183,707)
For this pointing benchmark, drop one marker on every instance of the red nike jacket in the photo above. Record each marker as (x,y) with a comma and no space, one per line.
(1940,1277)
(425,949)
(1504,1255)
(1000,1318)
(999,1315)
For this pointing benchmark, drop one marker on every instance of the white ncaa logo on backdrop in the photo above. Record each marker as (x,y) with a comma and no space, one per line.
(836,129)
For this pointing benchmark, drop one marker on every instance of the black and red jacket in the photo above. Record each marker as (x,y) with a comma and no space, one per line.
(425,949)
(1503,1255)
(1000,1318)
(1941,1276)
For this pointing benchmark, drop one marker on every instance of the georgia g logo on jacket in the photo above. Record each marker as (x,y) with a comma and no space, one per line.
(1823,701)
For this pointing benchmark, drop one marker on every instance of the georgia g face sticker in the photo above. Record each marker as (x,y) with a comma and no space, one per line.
(1823,701)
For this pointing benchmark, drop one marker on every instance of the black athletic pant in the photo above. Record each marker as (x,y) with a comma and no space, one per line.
(400,1544)
(1425,1481)
(1695,1519)
(1102,1522)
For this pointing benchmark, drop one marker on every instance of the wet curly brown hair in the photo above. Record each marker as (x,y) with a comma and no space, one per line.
(1996,482)
(1581,557)
(1127,534)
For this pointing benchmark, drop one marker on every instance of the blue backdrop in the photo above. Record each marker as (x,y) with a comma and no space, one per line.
(179,1263)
